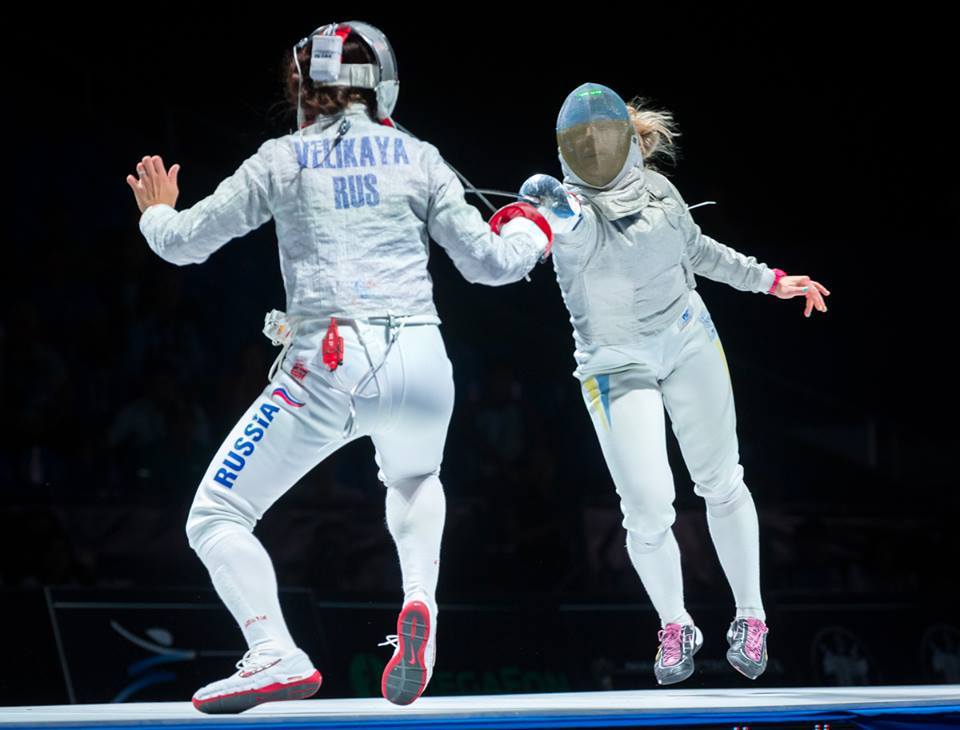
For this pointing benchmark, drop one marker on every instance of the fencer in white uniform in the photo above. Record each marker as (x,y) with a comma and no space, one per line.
(355,202)
(626,251)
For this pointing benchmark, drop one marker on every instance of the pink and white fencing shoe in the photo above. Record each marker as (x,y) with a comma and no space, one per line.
(678,644)
(748,646)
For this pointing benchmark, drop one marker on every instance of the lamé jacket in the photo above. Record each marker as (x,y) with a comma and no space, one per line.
(627,266)
(353,223)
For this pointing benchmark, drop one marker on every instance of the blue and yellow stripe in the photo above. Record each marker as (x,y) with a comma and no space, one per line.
(598,388)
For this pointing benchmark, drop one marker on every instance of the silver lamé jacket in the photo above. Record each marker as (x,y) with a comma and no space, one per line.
(626,269)
(353,222)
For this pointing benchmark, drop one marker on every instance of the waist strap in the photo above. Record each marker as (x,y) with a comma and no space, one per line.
(395,320)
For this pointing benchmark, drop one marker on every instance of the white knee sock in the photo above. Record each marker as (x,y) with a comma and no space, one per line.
(244,579)
(660,573)
(416,509)
(736,537)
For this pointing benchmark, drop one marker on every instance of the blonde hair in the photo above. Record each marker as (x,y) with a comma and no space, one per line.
(656,130)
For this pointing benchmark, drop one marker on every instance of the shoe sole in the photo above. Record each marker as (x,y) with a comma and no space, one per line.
(240,701)
(674,679)
(405,676)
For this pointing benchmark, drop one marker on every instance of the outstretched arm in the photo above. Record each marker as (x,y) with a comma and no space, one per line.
(716,261)
(238,205)
(721,263)
(480,254)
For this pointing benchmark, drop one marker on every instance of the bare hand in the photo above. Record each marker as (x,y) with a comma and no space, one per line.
(154,184)
(796,286)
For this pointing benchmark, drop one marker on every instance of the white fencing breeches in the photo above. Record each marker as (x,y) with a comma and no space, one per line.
(296,423)
(684,370)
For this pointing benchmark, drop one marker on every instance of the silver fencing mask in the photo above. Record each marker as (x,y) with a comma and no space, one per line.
(595,136)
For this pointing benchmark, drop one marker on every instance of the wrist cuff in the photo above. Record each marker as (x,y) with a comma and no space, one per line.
(777,275)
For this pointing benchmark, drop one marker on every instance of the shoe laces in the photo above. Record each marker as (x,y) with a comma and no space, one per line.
(255,659)
(671,641)
(753,632)
(392,640)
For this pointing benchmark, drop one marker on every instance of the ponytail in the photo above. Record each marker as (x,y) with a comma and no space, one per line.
(655,129)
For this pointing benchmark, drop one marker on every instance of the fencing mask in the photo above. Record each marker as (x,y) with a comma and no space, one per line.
(597,141)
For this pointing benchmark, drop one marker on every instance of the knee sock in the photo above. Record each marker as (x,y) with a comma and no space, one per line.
(416,509)
(243,577)
(736,537)
(658,566)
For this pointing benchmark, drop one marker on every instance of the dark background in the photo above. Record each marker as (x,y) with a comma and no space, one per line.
(827,140)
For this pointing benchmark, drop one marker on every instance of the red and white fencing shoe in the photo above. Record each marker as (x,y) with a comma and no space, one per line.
(415,648)
(261,676)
